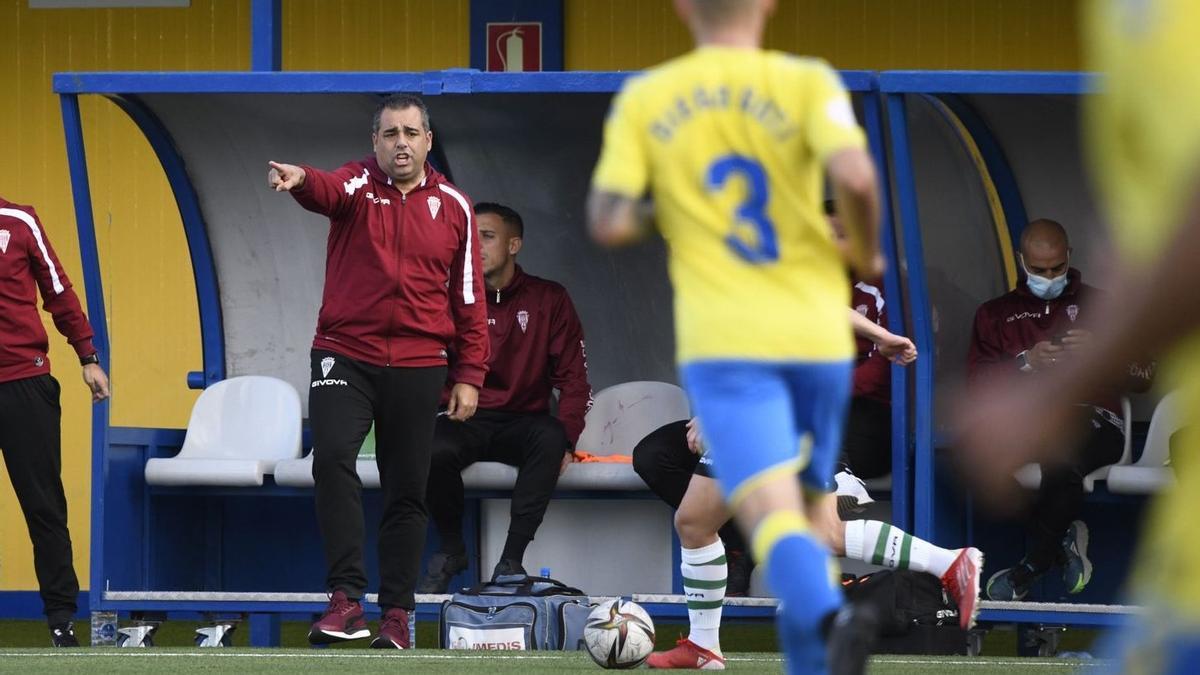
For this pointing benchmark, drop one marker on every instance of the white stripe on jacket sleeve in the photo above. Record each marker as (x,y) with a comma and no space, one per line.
(468,281)
(37,236)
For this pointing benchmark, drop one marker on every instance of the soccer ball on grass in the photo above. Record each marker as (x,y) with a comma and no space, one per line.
(619,634)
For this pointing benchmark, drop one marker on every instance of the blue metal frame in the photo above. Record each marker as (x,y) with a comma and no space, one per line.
(123,89)
(266,22)
(920,309)
(212,336)
(987,82)
(455,81)
(81,194)
(997,164)
(915,449)
(893,292)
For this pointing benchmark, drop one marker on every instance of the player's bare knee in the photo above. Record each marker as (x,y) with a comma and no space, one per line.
(692,529)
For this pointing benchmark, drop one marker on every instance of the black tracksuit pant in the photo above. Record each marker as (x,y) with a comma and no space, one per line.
(1060,498)
(345,398)
(30,437)
(532,442)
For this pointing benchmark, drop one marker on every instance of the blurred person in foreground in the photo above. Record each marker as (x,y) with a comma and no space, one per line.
(734,141)
(1144,140)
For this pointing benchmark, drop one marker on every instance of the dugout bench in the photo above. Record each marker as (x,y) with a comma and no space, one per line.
(963,158)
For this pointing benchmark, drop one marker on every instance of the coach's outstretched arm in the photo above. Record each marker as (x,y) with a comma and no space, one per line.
(855,187)
(285,177)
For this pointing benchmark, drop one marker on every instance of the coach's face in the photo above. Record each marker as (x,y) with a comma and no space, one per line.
(402,144)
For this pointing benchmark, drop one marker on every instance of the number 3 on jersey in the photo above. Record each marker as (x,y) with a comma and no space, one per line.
(751,213)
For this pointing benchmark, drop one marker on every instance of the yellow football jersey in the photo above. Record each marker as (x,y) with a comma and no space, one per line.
(732,143)
(1144,138)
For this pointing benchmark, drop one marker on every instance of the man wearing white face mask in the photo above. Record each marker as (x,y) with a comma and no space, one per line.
(1027,332)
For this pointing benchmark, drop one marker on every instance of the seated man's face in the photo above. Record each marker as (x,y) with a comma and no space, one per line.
(1046,260)
(496,245)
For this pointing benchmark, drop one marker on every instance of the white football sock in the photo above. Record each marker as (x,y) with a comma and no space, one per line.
(881,544)
(704,573)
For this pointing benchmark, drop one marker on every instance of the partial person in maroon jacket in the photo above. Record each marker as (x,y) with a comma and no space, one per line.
(30,415)
(537,346)
(403,290)
(1029,331)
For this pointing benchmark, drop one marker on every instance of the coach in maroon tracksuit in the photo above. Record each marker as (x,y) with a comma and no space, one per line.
(30,433)
(537,345)
(403,289)
(1029,331)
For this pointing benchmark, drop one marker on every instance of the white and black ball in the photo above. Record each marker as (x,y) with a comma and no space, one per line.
(619,634)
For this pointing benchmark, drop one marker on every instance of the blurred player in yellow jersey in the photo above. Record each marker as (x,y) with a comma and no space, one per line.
(733,142)
(1144,143)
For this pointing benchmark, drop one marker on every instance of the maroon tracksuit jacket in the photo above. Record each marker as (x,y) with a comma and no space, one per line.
(1016,321)
(403,285)
(536,345)
(27,264)
(872,372)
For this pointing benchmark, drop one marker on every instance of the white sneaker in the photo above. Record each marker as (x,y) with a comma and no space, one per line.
(852,487)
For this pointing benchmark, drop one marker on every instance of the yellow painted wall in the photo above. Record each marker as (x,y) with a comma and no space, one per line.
(850,34)
(375,34)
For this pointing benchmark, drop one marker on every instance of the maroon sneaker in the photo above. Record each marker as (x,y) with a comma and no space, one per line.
(393,631)
(342,620)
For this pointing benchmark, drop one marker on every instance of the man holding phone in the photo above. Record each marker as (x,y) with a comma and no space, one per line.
(1028,332)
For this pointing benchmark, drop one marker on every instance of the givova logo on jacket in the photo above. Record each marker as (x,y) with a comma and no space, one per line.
(5,236)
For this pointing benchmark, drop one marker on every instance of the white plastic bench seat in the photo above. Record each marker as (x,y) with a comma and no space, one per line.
(621,416)
(1151,474)
(1030,475)
(480,475)
(239,429)
(298,472)
(590,476)
(601,476)
(489,476)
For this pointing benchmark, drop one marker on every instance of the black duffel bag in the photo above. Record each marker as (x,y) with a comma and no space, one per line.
(915,615)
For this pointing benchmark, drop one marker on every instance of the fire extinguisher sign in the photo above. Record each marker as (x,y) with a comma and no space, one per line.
(514,47)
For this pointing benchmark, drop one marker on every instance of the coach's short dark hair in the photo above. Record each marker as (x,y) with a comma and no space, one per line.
(400,102)
(507,214)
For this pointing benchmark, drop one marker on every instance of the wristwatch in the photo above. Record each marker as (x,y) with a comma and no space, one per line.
(94,357)
(1023,361)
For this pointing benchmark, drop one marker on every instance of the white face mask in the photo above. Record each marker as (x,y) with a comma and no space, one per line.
(1045,287)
